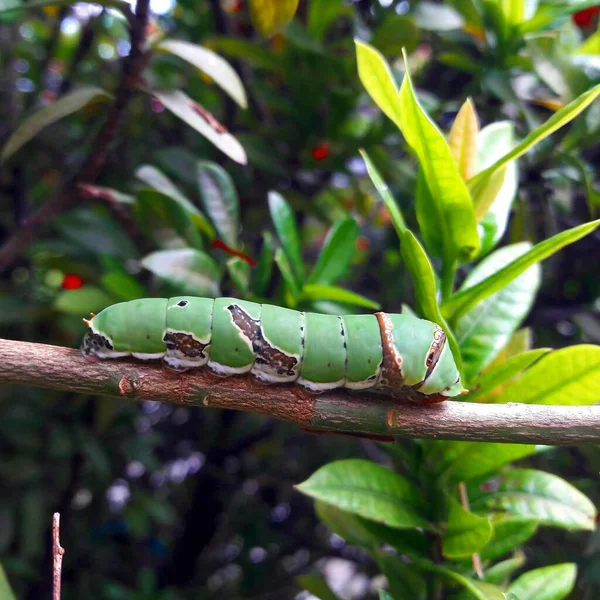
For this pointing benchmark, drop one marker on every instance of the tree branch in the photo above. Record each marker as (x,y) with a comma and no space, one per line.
(367,415)
(68,195)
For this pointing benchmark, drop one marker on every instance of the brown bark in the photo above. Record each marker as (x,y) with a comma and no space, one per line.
(337,412)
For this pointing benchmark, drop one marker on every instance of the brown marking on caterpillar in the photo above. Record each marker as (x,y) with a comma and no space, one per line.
(185,343)
(391,378)
(433,356)
(265,353)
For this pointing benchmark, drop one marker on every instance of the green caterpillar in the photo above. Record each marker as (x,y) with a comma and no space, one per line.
(393,354)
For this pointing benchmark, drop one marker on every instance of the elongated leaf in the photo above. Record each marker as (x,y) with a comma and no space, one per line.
(210,63)
(123,286)
(359,531)
(165,221)
(264,270)
(369,490)
(494,141)
(466,533)
(337,254)
(452,462)
(510,532)
(538,495)
(464,300)
(384,595)
(191,271)
(463,139)
(281,260)
(314,292)
(547,583)
(287,232)
(220,200)
(503,373)
(566,376)
(271,16)
(556,121)
(384,191)
(501,572)
(423,277)
(82,301)
(249,51)
(190,112)
(485,329)
(51,113)
(375,74)
(403,580)
(449,216)
(6,592)
(317,586)
(321,14)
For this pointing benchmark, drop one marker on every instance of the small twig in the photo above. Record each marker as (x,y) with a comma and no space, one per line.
(464,500)
(365,415)
(57,552)
(69,196)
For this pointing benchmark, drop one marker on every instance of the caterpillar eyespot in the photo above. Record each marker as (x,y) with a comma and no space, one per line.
(392,354)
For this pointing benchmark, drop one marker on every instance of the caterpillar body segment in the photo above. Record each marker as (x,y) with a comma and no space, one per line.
(393,354)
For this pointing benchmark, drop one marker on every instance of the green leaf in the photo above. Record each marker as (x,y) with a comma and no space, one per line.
(189,270)
(191,113)
(337,253)
(569,376)
(51,113)
(281,260)
(375,74)
(494,141)
(452,462)
(404,581)
(359,531)
(437,17)
(158,180)
(249,51)
(321,14)
(484,330)
(264,270)
(317,586)
(548,583)
(220,200)
(500,573)
(383,595)
(556,121)
(315,292)
(165,221)
(510,532)
(239,271)
(82,301)
(6,592)
(271,16)
(466,533)
(461,302)
(503,373)
(384,191)
(538,495)
(449,214)
(210,63)
(463,138)
(287,232)
(123,286)
(396,32)
(423,277)
(10,8)
(369,490)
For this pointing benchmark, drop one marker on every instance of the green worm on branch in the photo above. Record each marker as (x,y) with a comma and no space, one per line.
(393,354)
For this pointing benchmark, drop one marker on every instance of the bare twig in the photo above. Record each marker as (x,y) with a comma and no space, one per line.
(464,500)
(57,552)
(69,196)
(367,415)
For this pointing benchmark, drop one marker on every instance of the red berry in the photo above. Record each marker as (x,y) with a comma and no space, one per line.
(71,281)
(321,152)
(584,18)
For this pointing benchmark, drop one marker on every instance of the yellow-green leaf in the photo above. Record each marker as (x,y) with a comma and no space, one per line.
(450,209)
(376,76)
(466,532)
(463,139)
(271,16)
(567,376)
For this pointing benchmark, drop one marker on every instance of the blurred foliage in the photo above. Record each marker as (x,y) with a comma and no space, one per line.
(237,171)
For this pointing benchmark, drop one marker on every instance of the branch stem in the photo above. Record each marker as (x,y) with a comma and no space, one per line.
(367,415)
